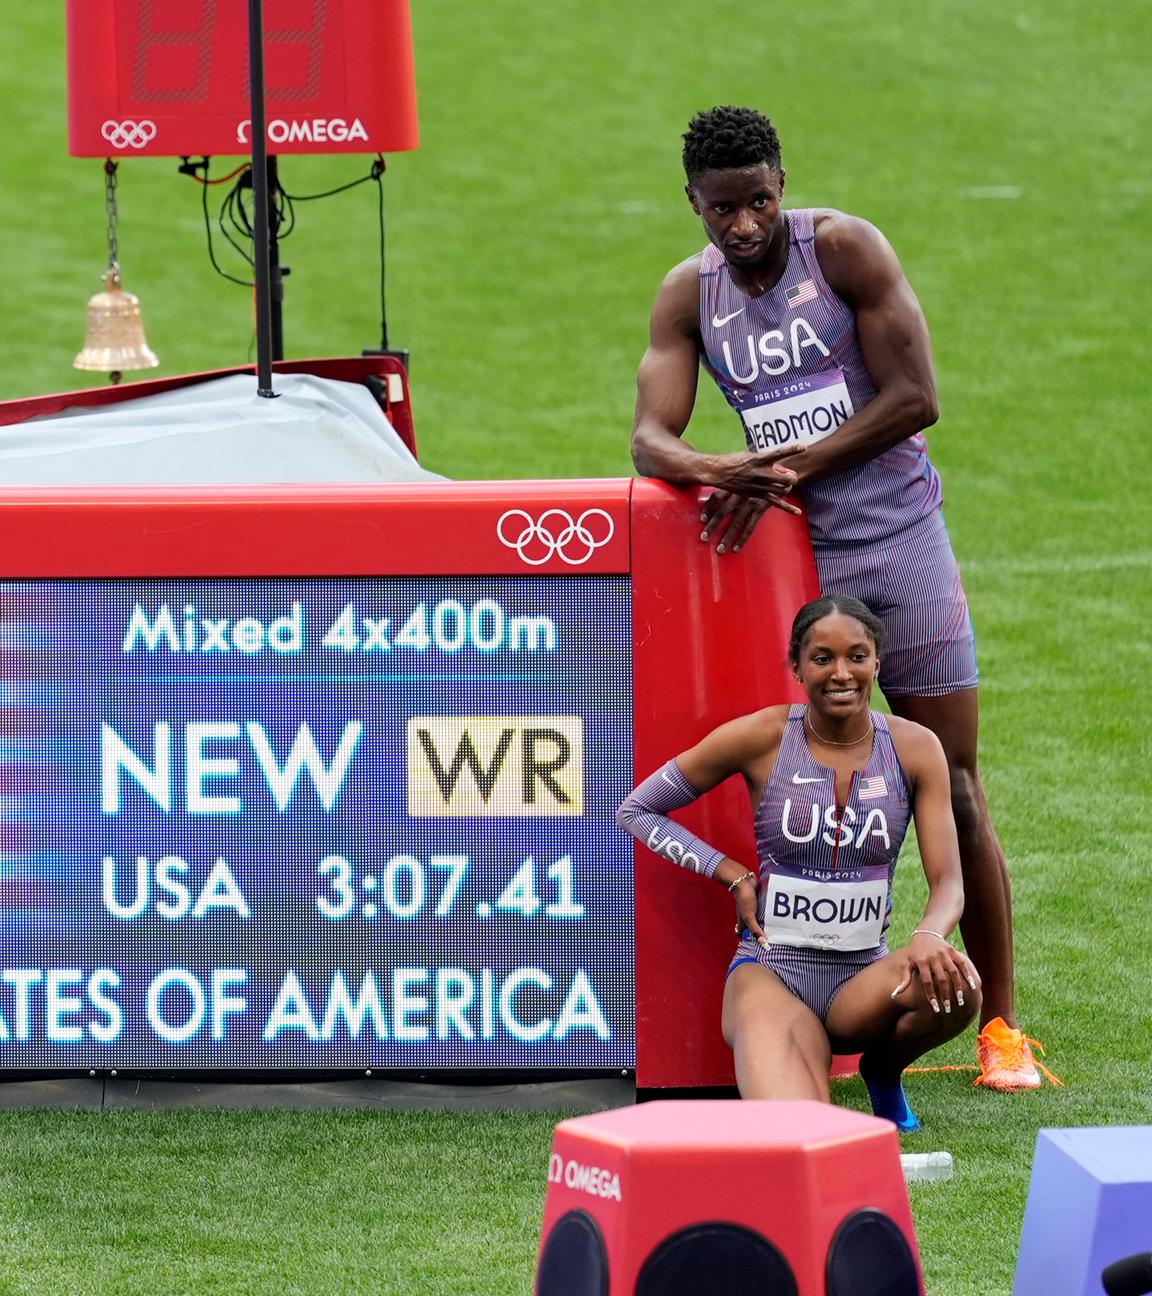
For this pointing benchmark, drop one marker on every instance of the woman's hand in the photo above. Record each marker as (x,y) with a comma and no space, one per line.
(747,897)
(944,971)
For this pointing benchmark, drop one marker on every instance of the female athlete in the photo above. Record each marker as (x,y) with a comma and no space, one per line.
(834,785)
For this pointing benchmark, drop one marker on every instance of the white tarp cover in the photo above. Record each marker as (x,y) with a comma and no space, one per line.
(218,431)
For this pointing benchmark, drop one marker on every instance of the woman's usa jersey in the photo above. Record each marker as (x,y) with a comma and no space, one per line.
(826,871)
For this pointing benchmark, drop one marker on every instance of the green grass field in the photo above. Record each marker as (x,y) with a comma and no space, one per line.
(1003,149)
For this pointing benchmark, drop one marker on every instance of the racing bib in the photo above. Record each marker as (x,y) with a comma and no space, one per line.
(824,915)
(799,412)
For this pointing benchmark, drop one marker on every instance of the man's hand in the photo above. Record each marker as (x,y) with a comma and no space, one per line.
(750,484)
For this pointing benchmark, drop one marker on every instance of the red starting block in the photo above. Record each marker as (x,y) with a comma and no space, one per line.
(720,1198)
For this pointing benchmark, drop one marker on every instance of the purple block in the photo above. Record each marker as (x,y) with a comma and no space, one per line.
(1089,1203)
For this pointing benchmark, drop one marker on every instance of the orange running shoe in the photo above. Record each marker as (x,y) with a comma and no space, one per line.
(1006,1061)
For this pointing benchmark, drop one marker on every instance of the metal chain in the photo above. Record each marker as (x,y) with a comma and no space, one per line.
(111,213)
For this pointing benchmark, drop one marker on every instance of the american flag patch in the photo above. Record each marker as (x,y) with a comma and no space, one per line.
(871,788)
(803,292)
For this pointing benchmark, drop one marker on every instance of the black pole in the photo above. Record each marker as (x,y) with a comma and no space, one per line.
(275,272)
(260,201)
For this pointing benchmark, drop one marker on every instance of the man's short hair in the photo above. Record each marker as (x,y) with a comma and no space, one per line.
(723,138)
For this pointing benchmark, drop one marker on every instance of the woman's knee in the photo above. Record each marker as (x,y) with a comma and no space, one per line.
(949,1022)
(960,1018)
(776,1028)
(969,1010)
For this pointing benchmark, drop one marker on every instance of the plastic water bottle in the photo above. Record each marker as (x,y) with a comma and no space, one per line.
(919,1167)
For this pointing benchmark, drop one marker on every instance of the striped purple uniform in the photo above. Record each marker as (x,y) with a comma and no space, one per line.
(826,869)
(769,354)
(789,363)
(913,585)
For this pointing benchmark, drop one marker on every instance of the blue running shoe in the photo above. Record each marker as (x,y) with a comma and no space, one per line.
(889,1103)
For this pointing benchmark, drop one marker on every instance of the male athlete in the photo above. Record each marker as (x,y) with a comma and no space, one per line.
(807,324)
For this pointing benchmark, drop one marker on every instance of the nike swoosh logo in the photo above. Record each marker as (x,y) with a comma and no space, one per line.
(799,778)
(667,777)
(717,322)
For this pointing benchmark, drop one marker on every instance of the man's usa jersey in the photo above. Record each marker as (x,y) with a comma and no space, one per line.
(789,363)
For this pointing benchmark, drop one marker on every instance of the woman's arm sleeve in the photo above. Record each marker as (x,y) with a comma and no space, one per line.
(644,814)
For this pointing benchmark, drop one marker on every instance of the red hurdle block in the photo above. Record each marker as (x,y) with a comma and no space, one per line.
(715,1198)
(844,1066)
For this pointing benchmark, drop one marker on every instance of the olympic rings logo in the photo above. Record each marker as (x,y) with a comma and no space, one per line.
(555,535)
(129,134)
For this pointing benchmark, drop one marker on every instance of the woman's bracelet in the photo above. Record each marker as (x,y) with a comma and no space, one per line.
(927,931)
(742,878)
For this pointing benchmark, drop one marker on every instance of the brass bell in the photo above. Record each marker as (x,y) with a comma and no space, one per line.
(115,339)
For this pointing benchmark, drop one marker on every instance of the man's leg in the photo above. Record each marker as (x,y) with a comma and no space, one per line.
(928,674)
(1005,1056)
(987,922)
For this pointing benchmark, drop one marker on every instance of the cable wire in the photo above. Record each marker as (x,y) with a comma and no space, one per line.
(191,168)
(235,222)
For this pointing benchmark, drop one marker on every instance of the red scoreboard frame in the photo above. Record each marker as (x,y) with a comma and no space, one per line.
(169,78)
(709,635)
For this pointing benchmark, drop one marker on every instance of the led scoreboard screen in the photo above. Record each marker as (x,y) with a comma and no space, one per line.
(170,77)
(270,823)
